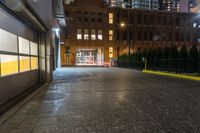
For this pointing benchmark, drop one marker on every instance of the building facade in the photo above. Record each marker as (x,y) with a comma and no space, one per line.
(194,6)
(99,33)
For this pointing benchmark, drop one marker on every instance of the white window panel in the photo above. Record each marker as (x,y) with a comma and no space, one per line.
(8,41)
(79,36)
(34,48)
(100,37)
(23,46)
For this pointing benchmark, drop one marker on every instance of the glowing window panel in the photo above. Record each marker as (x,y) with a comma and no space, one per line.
(93,35)
(110,18)
(34,63)
(34,48)
(9,64)
(8,41)
(24,63)
(100,35)
(110,35)
(86,35)
(79,36)
(23,46)
(110,52)
(110,49)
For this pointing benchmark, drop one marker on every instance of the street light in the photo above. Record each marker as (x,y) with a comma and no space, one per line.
(122,25)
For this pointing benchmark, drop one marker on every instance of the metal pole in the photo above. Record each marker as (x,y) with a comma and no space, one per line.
(128,34)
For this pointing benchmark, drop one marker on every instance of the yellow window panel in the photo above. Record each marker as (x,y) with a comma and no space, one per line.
(24,63)
(34,63)
(9,64)
(110,38)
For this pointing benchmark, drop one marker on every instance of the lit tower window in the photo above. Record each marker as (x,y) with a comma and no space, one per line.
(100,35)
(93,35)
(86,35)
(110,35)
(110,18)
(79,34)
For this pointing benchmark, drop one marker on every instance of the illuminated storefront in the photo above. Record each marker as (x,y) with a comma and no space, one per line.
(89,57)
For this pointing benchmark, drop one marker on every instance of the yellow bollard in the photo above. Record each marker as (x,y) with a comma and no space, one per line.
(145,68)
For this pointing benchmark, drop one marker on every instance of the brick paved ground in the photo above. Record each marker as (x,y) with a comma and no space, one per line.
(110,100)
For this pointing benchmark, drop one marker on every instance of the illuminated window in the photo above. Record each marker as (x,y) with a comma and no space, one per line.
(194,25)
(20,56)
(93,35)
(110,52)
(34,48)
(79,34)
(8,41)
(23,46)
(110,18)
(34,63)
(9,64)
(86,35)
(100,35)
(110,35)
(24,62)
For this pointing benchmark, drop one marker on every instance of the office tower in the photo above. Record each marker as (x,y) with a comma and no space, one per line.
(141,4)
(169,5)
(194,6)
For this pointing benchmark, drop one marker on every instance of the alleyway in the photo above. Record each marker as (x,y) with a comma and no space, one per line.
(110,100)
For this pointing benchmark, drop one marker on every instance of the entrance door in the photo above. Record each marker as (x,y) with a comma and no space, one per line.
(88,57)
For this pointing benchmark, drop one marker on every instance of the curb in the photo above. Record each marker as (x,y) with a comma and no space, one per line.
(172,75)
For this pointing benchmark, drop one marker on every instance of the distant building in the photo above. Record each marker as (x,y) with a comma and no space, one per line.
(194,6)
(174,5)
(99,33)
(169,5)
(141,4)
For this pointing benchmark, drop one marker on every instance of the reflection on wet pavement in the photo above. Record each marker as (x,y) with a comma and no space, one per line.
(110,100)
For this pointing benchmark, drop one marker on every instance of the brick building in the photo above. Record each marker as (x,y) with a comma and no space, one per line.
(98,33)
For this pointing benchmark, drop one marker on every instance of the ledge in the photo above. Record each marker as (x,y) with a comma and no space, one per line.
(173,75)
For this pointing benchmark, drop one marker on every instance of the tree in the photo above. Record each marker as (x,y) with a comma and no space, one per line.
(193,56)
(165,53)
(173,53)
(138,58)
(157,57)
(183,52)
(173,58)
(132,59)
(183,55)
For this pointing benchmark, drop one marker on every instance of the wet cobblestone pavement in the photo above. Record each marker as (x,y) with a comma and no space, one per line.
(110,100)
